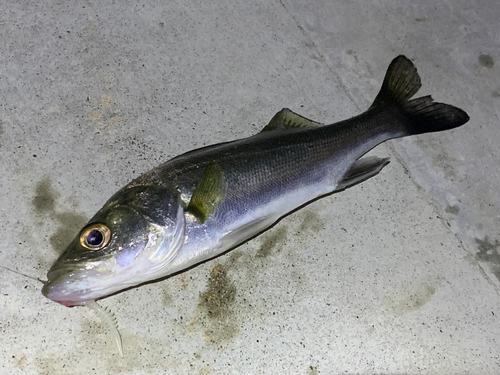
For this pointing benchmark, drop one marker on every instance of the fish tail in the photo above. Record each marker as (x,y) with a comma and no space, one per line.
(421,115)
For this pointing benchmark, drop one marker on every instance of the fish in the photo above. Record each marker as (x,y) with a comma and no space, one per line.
(208,201)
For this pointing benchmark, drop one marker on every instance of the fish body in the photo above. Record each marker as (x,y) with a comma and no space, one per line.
(208,201)
(265,177)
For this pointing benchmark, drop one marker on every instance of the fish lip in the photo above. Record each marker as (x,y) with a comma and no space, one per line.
(52,291)
(55,289)
(55,292)
(57,272)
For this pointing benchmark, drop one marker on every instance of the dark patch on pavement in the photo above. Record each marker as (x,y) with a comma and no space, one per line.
(489,252)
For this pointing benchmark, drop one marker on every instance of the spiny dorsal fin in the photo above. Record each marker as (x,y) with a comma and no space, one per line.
(286,119)
(208,193)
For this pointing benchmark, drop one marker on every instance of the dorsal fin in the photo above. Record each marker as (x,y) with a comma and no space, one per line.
(286,119)
(208,193)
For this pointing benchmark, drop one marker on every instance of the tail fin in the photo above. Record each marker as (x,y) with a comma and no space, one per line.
(422,115)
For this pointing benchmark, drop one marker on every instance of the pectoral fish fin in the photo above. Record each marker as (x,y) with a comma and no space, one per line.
(208,193)
(286,119)
(362,170)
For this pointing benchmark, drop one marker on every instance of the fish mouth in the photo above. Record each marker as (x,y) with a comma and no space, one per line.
(60,272)
(53,292)
(60,286)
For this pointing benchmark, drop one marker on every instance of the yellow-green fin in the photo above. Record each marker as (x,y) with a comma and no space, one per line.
(286,119)
(208,193)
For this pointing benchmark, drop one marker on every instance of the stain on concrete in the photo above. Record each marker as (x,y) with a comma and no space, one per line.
(70,226)
(413,298)
(98,337)
(489,251)
(69,223)
(220,293)
(106,101)
(205,370)
(447,163)
(20,360)
(313,51)
(45,197)
(103,112)
(171,289)
(271,241)
(215,305)
(471,259)
(143,354)
(114,120)
(217,316)
(167,299)
(486,60)
(96,117)
(370,330)
(219,313)
(494,94)
(441,159)
(51,364)
(311,222)
(419,298)
(454,210)
(312,370)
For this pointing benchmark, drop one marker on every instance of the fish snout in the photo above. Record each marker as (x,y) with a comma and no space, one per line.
(58,287)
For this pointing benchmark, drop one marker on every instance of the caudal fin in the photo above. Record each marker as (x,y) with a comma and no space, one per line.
(422,115)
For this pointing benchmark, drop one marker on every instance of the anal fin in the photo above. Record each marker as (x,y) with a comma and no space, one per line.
(362,170)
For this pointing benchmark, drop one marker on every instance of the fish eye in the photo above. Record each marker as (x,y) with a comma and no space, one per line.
(95,236)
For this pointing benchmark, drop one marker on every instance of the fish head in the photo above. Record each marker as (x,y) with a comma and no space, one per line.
(131,240)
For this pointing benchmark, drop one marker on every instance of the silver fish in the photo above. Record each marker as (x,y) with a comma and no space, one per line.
(207,201)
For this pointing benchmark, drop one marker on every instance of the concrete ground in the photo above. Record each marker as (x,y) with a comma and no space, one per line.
(398,275)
